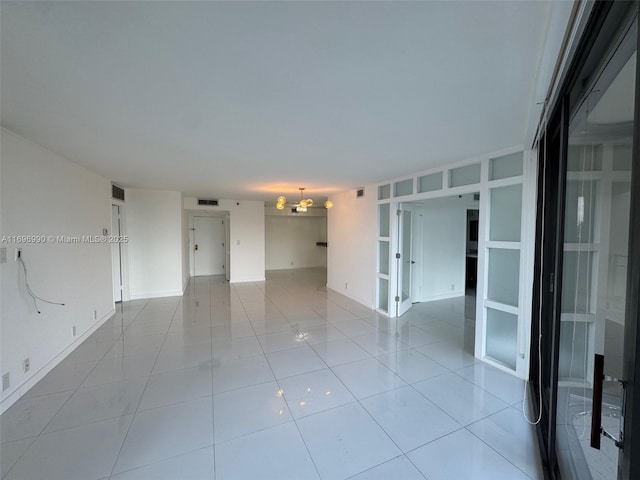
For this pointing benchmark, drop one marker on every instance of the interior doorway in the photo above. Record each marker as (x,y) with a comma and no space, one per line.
(116,253)
(209,245)
(471,256)
(442,252)
(444,257)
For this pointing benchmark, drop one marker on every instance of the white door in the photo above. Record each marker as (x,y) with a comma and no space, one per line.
(209,250)
(116,253)
(403,295)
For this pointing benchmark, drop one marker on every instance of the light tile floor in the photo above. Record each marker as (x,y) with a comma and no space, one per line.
(281,379)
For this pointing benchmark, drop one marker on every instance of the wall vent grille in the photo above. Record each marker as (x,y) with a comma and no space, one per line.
(117,192)
(211,203)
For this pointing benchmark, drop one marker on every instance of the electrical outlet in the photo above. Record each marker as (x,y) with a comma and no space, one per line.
(95,314)
(6,381)
(26,365)
(346,286)
(291,262)
(3,254)
(453,287)
(73,330)
(18,253)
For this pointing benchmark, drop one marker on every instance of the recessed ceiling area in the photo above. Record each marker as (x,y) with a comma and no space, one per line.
(250,100)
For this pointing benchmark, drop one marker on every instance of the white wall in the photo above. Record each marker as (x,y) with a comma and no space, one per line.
(351,255)
(45,194)
(291,241)
(247,227)
(185,245)
(155,226)
(440,227)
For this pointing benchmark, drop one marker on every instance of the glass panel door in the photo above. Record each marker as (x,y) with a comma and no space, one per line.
(384,248)
(594,267)
(502,345)
(404,271)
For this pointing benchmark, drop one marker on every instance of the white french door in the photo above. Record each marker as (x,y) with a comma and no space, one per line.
(403,258)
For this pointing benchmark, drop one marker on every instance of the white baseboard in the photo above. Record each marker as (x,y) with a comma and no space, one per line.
(14,396)
(442,296)
(145,296)
(248,280)
(351,297)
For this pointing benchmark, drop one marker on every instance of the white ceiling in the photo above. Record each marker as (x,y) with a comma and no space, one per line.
(250,99)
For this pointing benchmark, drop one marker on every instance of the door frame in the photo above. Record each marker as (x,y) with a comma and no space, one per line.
(225,216)
(629,462)
(124,250)
(402,306)
(466,253)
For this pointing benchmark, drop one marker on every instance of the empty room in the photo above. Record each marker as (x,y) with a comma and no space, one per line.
(319,240)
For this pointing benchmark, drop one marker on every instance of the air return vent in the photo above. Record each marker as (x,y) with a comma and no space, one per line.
(360,193)
(117,192)
(203,201)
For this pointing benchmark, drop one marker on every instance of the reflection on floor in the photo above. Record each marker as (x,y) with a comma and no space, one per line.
(577,458)
(281,379)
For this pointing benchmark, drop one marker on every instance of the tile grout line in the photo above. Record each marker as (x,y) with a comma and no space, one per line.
(34,438)
(69,398)
(213,410)
(402,453)
(358,401)
(493,449)
(133,417)
(285,400)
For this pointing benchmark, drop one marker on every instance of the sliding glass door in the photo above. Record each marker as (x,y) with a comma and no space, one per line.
(585,304)
(595,255)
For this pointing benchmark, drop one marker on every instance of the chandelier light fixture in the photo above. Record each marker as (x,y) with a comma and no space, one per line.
(302,204)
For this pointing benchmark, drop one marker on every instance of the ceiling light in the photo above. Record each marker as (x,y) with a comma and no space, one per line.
(302,205)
